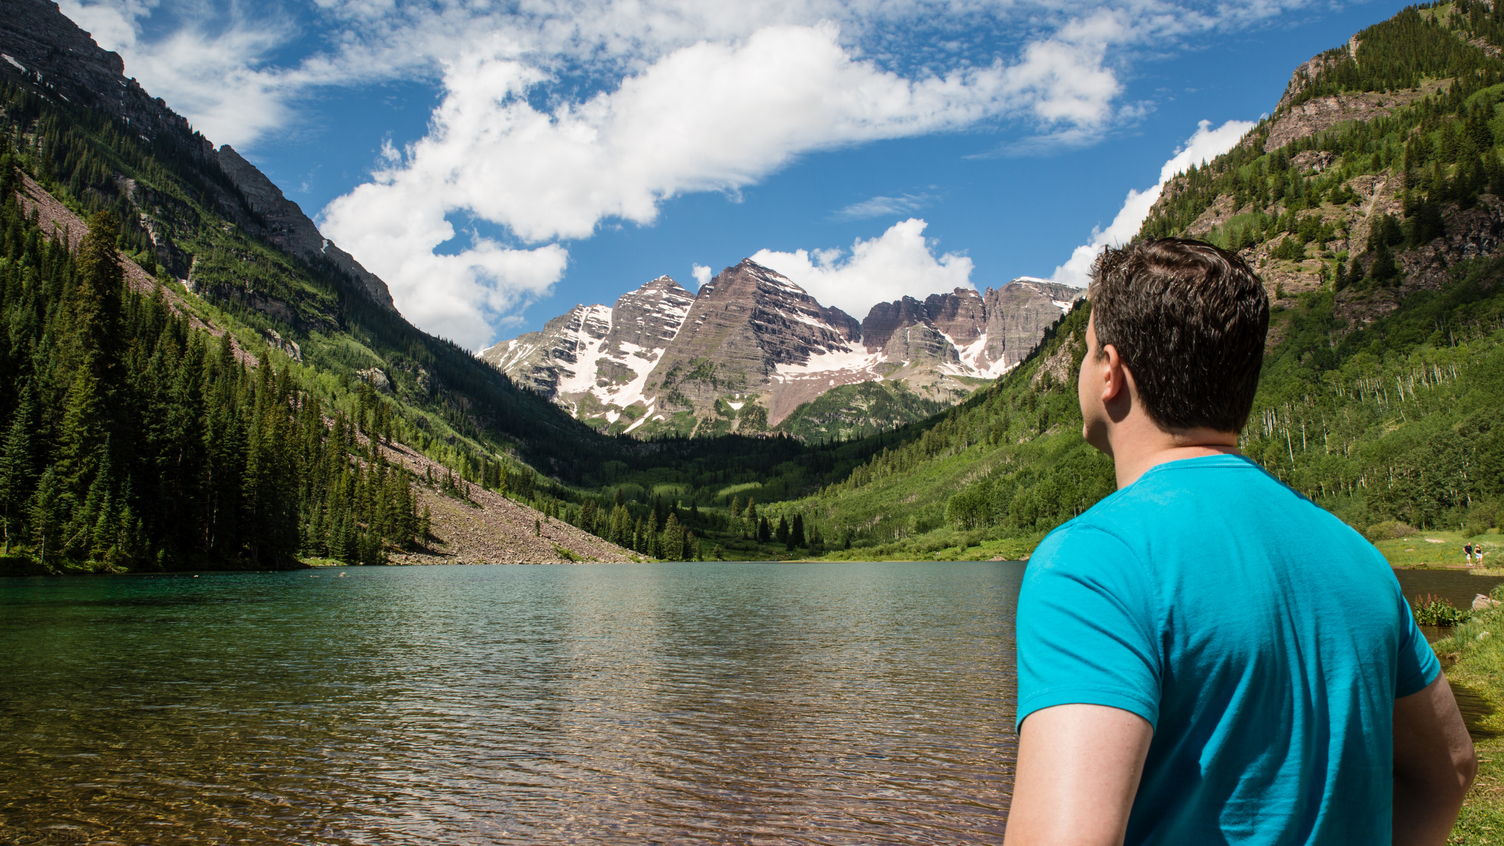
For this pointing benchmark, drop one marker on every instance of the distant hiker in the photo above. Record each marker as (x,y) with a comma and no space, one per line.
(1467,549)
(1478,554)
(1170,698)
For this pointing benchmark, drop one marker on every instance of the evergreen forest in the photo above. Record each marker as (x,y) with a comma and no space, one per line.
(133,441)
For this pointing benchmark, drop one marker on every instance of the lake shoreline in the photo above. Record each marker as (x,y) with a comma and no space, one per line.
(1474,659)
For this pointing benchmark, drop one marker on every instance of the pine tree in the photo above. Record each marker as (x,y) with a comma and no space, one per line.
(672,544)
(1383,270)
(45,516)
(17,466)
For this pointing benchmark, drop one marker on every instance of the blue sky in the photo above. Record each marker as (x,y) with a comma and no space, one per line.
(498,163)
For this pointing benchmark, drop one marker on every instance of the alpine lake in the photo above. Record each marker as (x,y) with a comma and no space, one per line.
(654,703)
(810,703)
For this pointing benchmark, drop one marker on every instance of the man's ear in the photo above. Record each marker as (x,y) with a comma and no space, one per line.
(1114,374)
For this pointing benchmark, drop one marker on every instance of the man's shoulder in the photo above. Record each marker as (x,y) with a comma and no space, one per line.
(1087,541)
(1182,507)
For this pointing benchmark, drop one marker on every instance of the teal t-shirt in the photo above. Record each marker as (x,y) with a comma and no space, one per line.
(1263,639)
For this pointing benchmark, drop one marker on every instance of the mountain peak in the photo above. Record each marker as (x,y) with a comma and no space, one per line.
(661,284)
(753,346)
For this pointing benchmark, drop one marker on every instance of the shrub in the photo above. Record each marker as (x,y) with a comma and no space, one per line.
(1389,530)
(1432,610)
(1292,248)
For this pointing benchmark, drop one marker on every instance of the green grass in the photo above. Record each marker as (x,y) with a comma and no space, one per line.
(1440,548)
(726,493)
(943,544)
(1476,653)
(567,554)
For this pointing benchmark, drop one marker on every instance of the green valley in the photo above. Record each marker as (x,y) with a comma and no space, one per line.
(1378,233)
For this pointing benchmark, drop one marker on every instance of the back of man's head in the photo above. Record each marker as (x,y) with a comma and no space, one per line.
(1188,319)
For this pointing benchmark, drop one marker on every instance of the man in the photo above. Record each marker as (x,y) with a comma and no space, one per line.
(1205,656)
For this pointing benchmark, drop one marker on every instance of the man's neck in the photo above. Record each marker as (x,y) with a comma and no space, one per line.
(1134,453)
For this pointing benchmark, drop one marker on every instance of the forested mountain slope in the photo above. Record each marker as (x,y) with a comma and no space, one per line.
(198,218)
(207,382)
(1372,204)
(215,253)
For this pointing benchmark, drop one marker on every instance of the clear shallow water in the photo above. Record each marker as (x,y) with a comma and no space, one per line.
(725,703)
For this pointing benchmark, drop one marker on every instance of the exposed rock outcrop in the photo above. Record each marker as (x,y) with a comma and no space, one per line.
(488,528)
(38,41)
(1018,314)
(287,226)
(1322,113)
(887,318)
(961,315)
(594,354)
(744,325)
(753,346)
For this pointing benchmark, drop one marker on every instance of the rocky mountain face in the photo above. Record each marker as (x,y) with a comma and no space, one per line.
(1367,231)
(285,225)
(752,347)
(596,357)
(38,42)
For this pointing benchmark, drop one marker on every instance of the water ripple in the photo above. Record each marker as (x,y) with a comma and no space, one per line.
(788,704)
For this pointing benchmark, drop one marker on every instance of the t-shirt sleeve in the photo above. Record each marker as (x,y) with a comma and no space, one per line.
(1418,666)
(1085,629)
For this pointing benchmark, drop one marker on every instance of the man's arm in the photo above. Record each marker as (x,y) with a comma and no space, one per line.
(1078,771)
(1434,764)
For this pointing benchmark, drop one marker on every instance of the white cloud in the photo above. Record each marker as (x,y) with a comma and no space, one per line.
(702,274)
(113,26)
(458,296)
(228,101)
(557,116)
(899,262)
(209,73)
(360,41)
(1204,145)
(882,206)
(1063,78)
(709,117)
(706,117)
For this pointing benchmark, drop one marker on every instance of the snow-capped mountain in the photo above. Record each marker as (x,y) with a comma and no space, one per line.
(596,358)
(752,347)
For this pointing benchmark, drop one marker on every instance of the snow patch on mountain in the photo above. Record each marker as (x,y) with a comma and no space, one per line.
(845,360)
(752,346)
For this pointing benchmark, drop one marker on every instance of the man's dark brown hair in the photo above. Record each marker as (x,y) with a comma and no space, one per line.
(1188,319)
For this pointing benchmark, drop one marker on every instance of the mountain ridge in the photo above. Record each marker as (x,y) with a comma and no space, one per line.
(212,248)
(752,348)
(1377,227)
